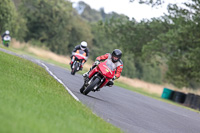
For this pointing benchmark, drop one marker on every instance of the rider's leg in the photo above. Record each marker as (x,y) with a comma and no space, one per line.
(83,62)
(87,73)
(72,60)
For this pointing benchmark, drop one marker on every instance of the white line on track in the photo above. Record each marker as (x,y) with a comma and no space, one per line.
(76,98)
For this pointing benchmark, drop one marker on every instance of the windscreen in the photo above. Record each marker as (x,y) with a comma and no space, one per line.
(80,53)
(7,38)
(111,65)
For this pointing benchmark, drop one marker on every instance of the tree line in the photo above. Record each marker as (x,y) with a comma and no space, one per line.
(164,49)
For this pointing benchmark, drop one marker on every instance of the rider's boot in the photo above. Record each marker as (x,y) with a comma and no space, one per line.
(72,60)
(86,74)
(98,89)
(81,67)
(71,63)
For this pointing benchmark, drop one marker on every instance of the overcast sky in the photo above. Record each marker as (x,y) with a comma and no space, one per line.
(131,9)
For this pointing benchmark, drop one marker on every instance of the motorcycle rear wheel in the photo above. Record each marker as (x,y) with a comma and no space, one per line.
(91,86)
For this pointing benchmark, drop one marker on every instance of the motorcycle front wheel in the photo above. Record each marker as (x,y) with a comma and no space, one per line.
(74,69)
(91,86)
(82,88)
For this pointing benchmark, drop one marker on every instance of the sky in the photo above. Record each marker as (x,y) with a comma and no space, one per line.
(130,9)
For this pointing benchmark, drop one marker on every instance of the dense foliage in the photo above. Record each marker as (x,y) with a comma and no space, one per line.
(181,45)
(10,19)
(164,49)
(92,15)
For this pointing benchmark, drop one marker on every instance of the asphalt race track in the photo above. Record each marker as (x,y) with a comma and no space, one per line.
(130,111)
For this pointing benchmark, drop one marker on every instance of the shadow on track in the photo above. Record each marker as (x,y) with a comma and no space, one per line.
(92,97)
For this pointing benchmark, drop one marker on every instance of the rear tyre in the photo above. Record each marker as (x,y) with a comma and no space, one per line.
(91,86)
(74,69)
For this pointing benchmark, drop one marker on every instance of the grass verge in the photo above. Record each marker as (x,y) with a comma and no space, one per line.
(34,102)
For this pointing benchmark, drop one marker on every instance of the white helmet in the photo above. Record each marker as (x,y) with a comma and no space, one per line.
(7,32)
(83,45)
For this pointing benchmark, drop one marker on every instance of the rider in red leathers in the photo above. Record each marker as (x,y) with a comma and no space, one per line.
(114,60)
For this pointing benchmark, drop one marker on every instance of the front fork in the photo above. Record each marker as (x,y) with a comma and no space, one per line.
(88,81)
(74,62)
(79,65)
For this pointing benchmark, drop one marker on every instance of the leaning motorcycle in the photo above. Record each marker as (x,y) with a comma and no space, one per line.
(78,58)
(98,78)
(6,40)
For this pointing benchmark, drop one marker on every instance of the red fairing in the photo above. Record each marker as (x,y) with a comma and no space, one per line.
(95,70)
(104,70)
(104,83)
(81,55)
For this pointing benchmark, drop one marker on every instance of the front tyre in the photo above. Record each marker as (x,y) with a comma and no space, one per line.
(82,88)
(74,69)
(91,86)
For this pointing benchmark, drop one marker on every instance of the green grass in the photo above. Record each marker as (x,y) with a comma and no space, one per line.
(23,51)
(31,101)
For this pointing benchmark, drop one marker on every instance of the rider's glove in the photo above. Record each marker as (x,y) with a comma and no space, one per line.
(97,62)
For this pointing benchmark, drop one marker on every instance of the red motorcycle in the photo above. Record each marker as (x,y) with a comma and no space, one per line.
(79,57)
(98,78)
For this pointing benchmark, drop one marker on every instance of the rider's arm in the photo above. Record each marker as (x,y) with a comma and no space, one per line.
(76,48)
(118,71)
(74,51)
(87,52)
(103,57)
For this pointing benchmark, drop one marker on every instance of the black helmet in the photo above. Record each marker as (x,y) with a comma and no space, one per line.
(116,55)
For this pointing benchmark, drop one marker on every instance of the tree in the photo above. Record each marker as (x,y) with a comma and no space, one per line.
(150,2)
(48,22)
(80,31)
(8,17)
(181,44)
(90,14)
